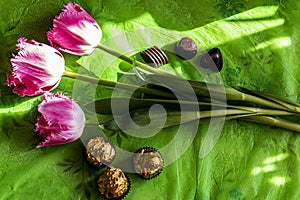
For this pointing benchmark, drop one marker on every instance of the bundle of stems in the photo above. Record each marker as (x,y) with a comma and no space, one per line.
(197,100)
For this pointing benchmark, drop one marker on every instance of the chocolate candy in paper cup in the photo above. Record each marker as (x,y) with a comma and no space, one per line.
(113,184)
(99,152)
(148,162)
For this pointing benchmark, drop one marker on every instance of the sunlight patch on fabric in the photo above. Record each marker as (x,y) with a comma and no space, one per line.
(22,107)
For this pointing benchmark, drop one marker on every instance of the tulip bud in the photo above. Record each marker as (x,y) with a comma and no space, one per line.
(37,68)
(62,120)
(75,31)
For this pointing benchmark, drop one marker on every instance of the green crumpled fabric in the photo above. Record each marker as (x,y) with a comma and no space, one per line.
(260,45)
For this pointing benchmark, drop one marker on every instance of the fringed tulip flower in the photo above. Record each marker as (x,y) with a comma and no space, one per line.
(36,68)
(62,120)
(75,31)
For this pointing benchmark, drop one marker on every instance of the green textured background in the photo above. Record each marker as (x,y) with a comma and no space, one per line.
(260,42)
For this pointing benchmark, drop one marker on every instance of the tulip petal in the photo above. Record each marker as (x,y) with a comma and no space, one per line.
(62,120)
(37,68)
(74,31)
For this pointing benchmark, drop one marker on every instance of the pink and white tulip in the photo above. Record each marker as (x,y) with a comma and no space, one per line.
(75,31)
(62,120)
(36,68)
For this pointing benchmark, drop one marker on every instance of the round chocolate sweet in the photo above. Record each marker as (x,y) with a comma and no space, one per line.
(148,162)
(99,151)
(212,60)
(186,48)
(154,56)
(113,184)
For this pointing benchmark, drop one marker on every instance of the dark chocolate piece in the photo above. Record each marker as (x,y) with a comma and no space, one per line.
(186,48)
(154,56)
(212,60)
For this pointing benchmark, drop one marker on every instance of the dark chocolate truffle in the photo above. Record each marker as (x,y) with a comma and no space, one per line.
(148,162)
(99,151)
(212,60)
(154,56)
(113,184)
(186,48)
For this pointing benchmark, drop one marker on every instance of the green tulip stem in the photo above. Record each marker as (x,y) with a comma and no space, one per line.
(261,101)
(124,86)
(132,61)
(91,122)
(268,120)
